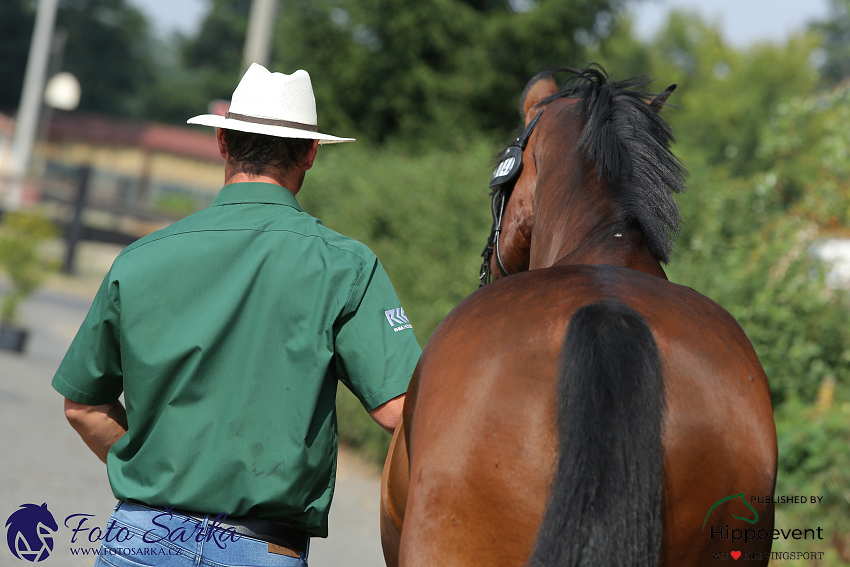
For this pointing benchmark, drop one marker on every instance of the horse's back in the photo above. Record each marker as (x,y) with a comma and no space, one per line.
(481,422)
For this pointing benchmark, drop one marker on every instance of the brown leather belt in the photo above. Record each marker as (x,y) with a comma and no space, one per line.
(288,537)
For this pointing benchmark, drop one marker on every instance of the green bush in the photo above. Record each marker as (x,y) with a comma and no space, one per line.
(22,235)
(426,216)
(814,460)
(176,205)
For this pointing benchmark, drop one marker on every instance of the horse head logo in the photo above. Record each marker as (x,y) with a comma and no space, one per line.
(722,500)
(30,532)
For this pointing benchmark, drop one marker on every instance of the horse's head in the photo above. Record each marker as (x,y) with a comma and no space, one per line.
(513,191)
(595,182)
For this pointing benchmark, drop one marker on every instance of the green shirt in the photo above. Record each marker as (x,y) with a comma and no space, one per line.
(227,333)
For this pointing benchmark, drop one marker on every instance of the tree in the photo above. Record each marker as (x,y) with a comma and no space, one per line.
(424,72)
(437,70)
(195,70)
(108,49)
(17,19)
(726,95)
(106,46)
(835,31)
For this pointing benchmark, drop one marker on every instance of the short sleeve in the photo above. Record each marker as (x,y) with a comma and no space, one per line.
(91,372)
(375,347)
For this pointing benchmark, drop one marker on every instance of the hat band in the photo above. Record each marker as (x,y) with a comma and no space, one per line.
(272,122)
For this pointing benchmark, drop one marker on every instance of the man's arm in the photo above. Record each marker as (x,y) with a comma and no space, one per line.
(387,414)
(99,426)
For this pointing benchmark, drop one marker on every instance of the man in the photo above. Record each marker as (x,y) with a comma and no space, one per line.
(227,333)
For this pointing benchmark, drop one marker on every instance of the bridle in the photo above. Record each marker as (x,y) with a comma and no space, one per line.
(502,183)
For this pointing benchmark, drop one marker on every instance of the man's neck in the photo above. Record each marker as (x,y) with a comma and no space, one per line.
(290,182)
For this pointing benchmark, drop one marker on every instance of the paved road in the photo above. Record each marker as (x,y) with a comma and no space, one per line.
(43,461)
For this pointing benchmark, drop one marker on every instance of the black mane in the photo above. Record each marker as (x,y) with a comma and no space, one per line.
(629,143)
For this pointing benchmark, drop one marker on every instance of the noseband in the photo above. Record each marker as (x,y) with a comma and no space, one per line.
(502,183)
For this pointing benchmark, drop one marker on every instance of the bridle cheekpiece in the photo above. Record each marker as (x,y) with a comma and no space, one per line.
(502,184)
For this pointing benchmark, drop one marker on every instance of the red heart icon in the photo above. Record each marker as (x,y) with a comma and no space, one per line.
(735,555)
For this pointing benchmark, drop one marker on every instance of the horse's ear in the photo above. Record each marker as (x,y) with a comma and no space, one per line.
(538,88)
(657,103)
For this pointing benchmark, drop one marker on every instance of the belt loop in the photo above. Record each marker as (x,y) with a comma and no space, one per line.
(203,540)
(118,505)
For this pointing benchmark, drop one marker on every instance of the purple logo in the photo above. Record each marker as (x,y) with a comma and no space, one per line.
(30,532)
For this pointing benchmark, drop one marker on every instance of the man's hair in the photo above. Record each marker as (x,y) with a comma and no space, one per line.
(257,153)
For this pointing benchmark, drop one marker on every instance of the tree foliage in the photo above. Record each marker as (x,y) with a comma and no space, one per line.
(16,23)
(835,42)
(106,44)
(439,70)
(107,49)
(426,217)
(727,95)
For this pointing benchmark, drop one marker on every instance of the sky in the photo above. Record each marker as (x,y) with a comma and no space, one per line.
(743,22)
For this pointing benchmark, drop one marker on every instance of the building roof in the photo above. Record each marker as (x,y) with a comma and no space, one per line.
(103,130)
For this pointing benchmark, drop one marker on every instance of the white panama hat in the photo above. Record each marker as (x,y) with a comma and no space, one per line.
(273,104)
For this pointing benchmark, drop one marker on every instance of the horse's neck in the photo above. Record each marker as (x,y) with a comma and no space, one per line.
(617,247)
(581,227)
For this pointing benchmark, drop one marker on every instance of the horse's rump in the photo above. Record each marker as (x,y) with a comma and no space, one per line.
(483,442)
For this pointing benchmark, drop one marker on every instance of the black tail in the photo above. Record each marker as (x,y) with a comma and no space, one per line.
(605,506)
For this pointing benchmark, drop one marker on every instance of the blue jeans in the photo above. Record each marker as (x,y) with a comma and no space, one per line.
(137,535)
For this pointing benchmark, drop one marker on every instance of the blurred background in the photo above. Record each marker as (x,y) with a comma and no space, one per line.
(95,153)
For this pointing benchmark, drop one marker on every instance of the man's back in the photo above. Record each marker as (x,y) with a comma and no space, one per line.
(231,328)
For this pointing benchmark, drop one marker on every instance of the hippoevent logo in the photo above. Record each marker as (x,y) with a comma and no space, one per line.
(29,532)
(722,500)
(744,534)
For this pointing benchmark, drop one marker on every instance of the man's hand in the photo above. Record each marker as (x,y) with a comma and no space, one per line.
(387,414)
(99,426)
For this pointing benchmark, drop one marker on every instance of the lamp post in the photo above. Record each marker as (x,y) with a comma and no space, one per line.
(63,92)
(258,41)
(26,122)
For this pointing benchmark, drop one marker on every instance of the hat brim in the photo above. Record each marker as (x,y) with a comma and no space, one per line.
(217,121)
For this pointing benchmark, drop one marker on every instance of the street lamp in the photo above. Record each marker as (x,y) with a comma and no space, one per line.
(26,121)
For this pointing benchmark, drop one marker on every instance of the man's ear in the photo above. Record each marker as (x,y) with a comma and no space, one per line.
(222,147)
(310,156)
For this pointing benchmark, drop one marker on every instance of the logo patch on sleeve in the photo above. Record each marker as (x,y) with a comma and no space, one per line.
(397,319)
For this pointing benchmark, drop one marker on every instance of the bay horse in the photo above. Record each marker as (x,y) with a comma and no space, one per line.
(583,411)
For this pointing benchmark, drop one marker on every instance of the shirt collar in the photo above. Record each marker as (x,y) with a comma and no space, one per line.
(254,192)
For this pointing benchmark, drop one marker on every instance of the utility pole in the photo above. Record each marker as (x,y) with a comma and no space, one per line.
(258,42)
(26,121)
